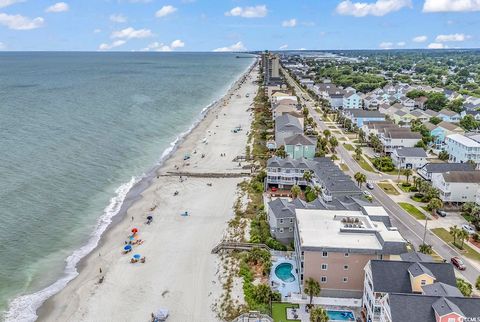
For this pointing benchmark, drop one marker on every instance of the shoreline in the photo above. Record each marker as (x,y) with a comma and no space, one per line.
(27,309)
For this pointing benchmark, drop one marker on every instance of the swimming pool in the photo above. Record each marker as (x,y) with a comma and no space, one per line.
(284,272)
(340,315)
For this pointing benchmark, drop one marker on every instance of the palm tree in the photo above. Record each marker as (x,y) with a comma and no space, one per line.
(358,153)
(361,136)
(463,235)
(327,133)
(360,178)
(333,143)
(295,191)
(425,249)
(435,204)
(407,173)
(312,288)
(307,175)
(454,232)
(318,314)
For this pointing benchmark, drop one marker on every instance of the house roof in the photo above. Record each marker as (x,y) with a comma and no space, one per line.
(417,307)
(282,208)
(431,113)
(418,113)
(417,269)
(364,113)
(287,122)
(462,176)
(449,126)
(444,306)
(401,133)
(430,126)
(416,257)
(411,152)
(446,167)
(441,289)
(447,112)
(300,139)
(393,276)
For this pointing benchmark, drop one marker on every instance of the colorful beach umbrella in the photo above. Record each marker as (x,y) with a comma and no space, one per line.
(127,247)
(137,256)
(134,230)
(149,217)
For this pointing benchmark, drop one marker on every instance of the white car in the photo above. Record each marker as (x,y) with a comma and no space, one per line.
(468,229)
(367,193)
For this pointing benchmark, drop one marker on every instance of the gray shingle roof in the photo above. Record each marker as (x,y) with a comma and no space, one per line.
(416,257)
(441,289)
(300,139)
(462,176)
(446,167)
(364,113)
(417,269)
(443,306)
(393,276)
(282,208)
(287,122)
(411,152)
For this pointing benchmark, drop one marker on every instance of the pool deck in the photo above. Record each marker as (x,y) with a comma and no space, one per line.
(305,316)
(285,288)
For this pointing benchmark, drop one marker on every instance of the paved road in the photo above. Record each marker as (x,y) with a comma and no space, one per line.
(411,229)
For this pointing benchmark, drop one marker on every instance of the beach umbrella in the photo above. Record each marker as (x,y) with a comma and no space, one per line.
(131,238)
(127,247)
(137,256)
(149,217)
(134,230)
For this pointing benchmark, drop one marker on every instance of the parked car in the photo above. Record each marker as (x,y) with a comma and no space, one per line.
(458,263)
(469,229)
(370,186)
(367,194)
(441,213)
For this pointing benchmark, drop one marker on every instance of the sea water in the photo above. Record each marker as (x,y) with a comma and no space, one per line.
(77,131)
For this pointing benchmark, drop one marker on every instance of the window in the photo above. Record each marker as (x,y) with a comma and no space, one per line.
(281,221)
(345,267)
(346,254)
(324,267)
(291,220)
(423,282)
(323,279)
(451,319)
(345,279)
(290,229)
(281,230)
(325,254)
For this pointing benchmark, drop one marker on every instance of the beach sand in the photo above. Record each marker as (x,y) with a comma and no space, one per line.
(180,273)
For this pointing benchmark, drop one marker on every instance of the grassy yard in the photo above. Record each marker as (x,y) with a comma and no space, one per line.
(365,165)
(388,188)
(406,188)
(344,167)
(279,311)
(417,199)
(349,147)
(336,131)
(446,237)
(412,210)
(342,139)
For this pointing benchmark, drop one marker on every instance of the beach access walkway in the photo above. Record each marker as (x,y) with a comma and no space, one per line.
(237,246)
(207,174)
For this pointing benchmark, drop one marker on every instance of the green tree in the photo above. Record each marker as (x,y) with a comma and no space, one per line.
(454,233)
(477,283)
(425,249)
(435,120)
(468,123)
(327,133)
(360,178)
(361,136)
(358,152)
(262,294)
(333,143)
(407,173)
(436,101)
(464,287)
(281,152)
(312,288)
(318,314)
(463,235)
(443,155)
(307,175)
(435,204)
(295,191)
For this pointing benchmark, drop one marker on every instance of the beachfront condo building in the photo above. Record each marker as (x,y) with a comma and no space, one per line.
(333,247)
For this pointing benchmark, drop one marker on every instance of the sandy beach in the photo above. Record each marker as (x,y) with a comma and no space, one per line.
(179,272)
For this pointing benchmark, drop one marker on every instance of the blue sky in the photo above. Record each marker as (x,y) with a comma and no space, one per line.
(206,25)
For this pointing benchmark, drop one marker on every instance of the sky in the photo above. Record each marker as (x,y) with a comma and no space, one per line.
(237,25)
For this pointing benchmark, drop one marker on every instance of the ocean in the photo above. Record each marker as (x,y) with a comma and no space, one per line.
(77,131)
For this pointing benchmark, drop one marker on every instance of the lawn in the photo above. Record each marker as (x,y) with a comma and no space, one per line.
(365,165)
(412,210)
(407,189)
(388,188)
(279,311)
(446,237)
(344,167)
(349,147)
(336,131)
(417,199)
(342,139)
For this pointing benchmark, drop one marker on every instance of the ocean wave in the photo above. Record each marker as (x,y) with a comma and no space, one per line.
(23,308)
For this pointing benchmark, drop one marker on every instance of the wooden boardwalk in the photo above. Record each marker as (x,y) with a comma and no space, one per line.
(207,174)
(237,246)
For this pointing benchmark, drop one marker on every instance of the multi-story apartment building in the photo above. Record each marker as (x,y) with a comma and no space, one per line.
(393,138)
(457,186)
(332,246)
(463,148)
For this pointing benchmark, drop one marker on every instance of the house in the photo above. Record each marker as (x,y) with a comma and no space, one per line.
(419,276)
(351,100)
(420,115)
(358,116)
(474,113)
(440,132)
(457,186)
(409,158)
(281,217)
(333,246)
(429,169)
(403,118)
(300,146)
(431,113)
(284,106)
(336,99)
(462,148)
(376,127)
(286,125)
(393,138)
(420,102)
(371,102)
(449,116)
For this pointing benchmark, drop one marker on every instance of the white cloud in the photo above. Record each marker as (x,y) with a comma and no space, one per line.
(18,22)
(165,11)
(159,46)
(96,31)
(377,8)
(58,7)
(451,5)
(248,12)
(116,43)
(452,37)
(436,45)
(283,47)
(139,1)
(420,39)
(2,46)
(235,47)
(118,18)
(129,33)
(6,3)
(386,45)
(401,44)
(289,23)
